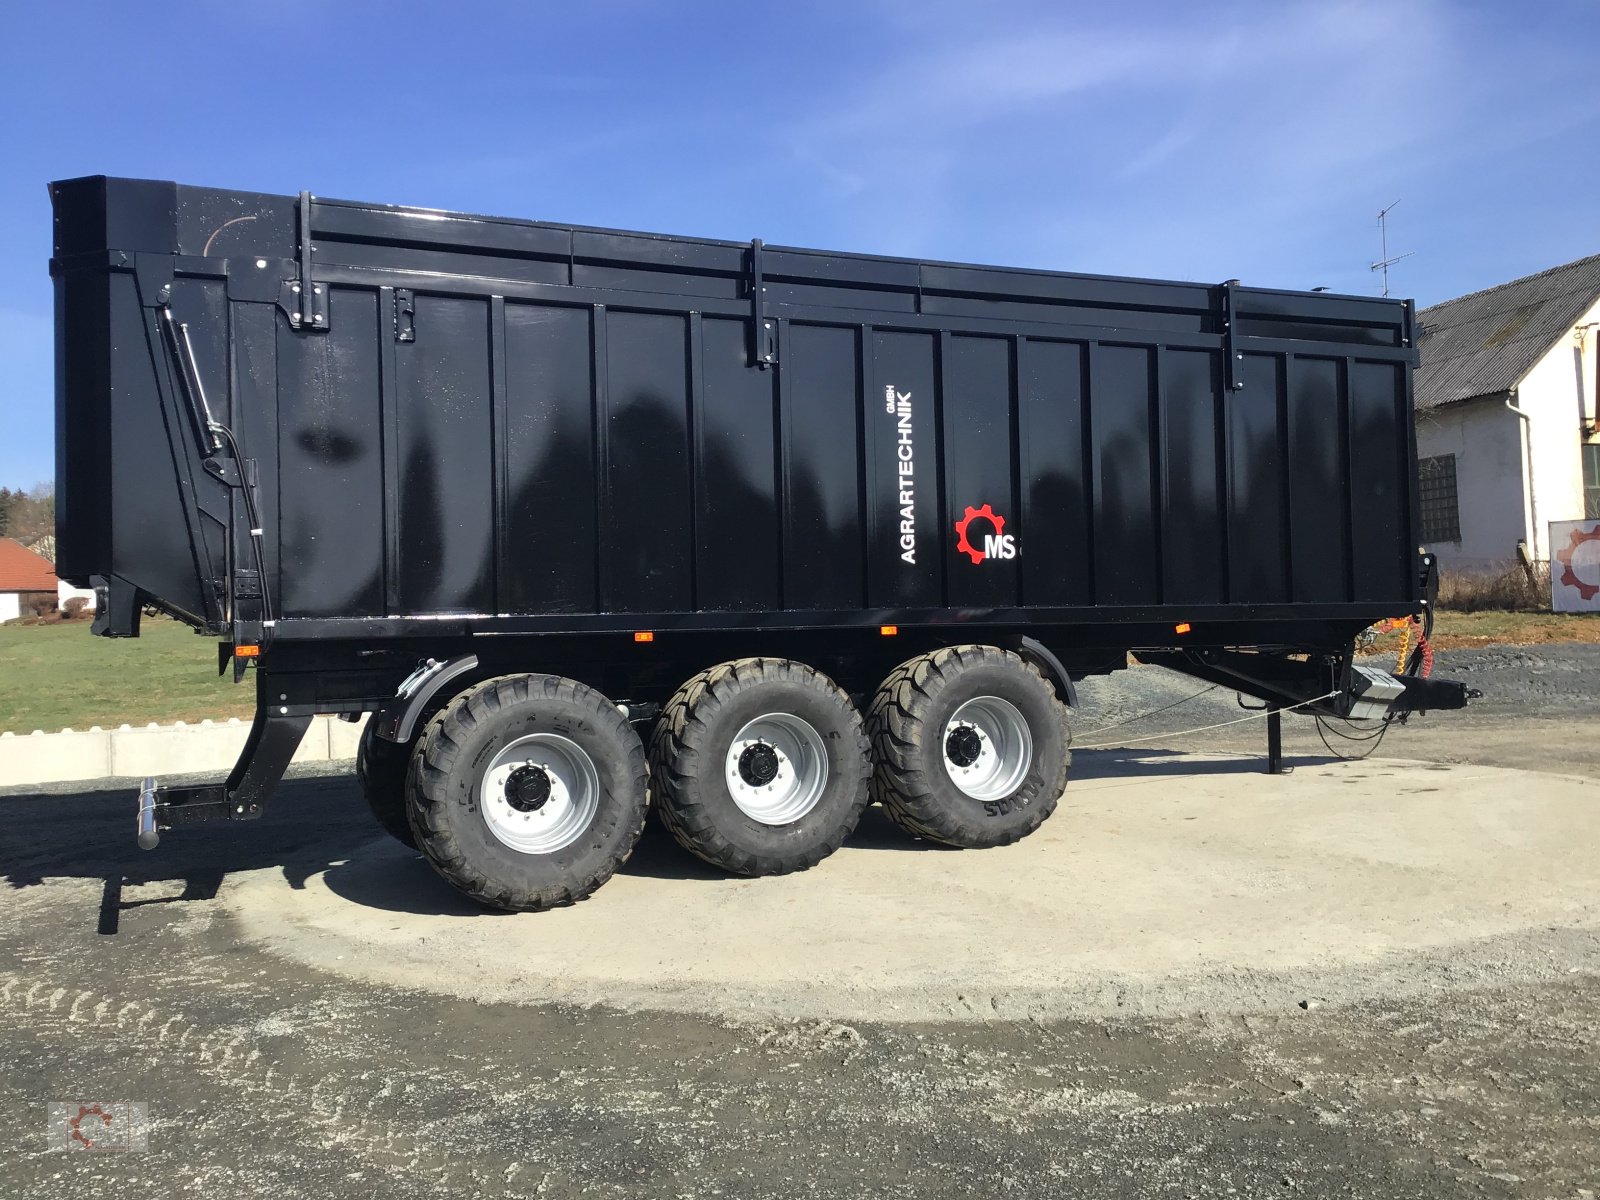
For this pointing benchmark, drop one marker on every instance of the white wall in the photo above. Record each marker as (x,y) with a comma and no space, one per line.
(1493,452)
(10,606)
(1487,441)
(1549,394)
(65,591)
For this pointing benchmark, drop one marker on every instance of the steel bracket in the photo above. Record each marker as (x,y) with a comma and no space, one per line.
(405,315)
(763,329)
(1231,355)
(305,300)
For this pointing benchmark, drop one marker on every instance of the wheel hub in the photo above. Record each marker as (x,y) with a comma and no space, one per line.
(528,789)
(540,793)
(776,768)
(758,764)
(964,745)
(988,748)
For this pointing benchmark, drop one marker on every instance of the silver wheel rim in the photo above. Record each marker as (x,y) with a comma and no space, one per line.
(540,793)
(788,745)
(987,748)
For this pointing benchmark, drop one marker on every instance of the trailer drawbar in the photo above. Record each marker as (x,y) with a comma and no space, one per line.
(590,522)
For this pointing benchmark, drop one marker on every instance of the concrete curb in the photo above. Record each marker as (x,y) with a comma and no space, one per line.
(176,749)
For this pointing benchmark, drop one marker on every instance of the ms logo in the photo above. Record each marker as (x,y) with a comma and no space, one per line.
(995,544)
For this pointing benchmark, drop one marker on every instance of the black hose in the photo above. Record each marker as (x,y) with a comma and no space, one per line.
(251,514)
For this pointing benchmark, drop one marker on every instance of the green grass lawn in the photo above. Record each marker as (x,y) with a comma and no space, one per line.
(58,676)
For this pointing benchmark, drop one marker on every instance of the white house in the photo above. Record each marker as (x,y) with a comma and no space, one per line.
(24,575)
(1505,399)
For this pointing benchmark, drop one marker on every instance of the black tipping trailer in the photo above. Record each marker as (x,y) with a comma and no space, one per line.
(507,485)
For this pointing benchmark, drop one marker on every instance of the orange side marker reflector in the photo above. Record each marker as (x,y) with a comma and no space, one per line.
(1182,627)
(247,651)
(888,630)
(644,635)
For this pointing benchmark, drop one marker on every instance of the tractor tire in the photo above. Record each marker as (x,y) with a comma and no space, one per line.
(970,747)
(759,766)
(527,792)
(381,772)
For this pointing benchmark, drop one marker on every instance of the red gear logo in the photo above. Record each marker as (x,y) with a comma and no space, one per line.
(1569,576)
(966,547)
(90,1110)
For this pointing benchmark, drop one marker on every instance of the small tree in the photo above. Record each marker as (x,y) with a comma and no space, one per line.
(31,515)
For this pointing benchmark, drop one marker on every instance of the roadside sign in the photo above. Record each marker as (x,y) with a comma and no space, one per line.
(1575,568)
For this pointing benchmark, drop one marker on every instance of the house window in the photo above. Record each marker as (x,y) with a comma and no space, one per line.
(1441,515)
(1591,481)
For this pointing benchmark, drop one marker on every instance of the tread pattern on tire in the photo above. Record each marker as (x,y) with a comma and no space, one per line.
(381,770)
(672,746)
(894,726)
(430,768)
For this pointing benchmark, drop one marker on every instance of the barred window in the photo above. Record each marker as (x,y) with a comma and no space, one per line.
(1591,480)
(1441,515)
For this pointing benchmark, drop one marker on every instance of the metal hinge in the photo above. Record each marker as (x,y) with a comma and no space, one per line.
(405,315)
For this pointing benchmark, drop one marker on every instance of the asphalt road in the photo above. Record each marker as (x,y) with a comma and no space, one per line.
(129,976)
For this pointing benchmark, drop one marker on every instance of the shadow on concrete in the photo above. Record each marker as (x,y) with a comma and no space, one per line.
(1139,762)
(311,823)
(319,825)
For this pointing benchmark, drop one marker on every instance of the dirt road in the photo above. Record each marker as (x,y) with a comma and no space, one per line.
(1338,982)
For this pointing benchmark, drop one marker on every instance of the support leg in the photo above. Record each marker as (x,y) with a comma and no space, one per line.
(1274,743)
(266,754)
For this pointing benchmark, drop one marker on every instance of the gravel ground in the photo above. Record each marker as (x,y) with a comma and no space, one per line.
(131,977)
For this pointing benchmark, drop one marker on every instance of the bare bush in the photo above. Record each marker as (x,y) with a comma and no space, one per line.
(74,608)
(42,604)
(1513,588)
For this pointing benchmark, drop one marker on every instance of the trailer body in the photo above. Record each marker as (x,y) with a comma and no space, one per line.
(364,444)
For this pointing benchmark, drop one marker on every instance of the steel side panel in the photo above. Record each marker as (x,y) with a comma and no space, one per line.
(1127,564)
(648,537)
(1379,489)
(821,483)
(577,437)
(1057,559)
(1258,572)
(905,532)
(1320,529)
(330,465)
(447,460)
(551,519)
(738,543)
(978,473)
(1192,528)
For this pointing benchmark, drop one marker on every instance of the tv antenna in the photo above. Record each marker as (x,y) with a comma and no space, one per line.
(1384,263)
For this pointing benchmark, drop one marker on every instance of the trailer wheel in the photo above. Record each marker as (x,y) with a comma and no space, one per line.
(759,766)
(381,772)
(527,792)
(970,747)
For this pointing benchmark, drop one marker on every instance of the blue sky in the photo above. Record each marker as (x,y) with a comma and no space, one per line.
(1179,140)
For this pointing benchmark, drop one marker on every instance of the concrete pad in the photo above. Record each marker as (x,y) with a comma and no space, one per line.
(1162,884)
